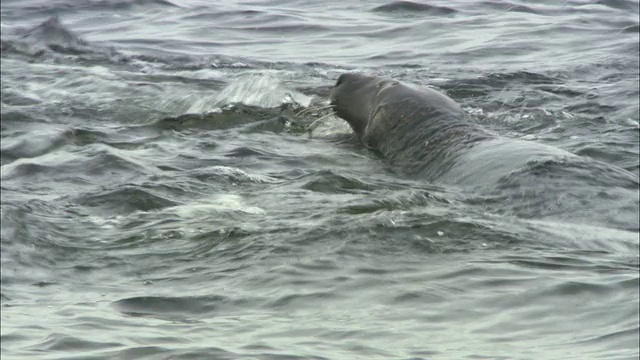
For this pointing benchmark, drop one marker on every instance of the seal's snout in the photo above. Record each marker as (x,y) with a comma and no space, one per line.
(351,98)
(343,79)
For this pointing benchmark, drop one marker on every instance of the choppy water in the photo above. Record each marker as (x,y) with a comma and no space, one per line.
(144,215)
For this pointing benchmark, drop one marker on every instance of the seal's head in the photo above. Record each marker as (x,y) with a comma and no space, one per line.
(355,98)
(373,106)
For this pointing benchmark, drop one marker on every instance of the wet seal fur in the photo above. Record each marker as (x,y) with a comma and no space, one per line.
(422,131)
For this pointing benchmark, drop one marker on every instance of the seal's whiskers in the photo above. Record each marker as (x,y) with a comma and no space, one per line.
(314,108)
(315,123)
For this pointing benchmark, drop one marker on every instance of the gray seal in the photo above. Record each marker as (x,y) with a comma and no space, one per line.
(422,131)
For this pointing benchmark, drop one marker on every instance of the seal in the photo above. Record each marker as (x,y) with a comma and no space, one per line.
(422,131)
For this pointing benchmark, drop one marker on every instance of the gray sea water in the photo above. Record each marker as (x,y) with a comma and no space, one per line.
(163,199)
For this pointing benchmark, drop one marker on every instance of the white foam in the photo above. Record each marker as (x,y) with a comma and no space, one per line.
(219,203)
(263,89)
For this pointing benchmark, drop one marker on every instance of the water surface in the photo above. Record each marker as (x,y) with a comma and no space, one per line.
(161,197)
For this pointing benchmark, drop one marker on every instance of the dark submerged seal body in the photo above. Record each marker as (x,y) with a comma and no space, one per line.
(422,131)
